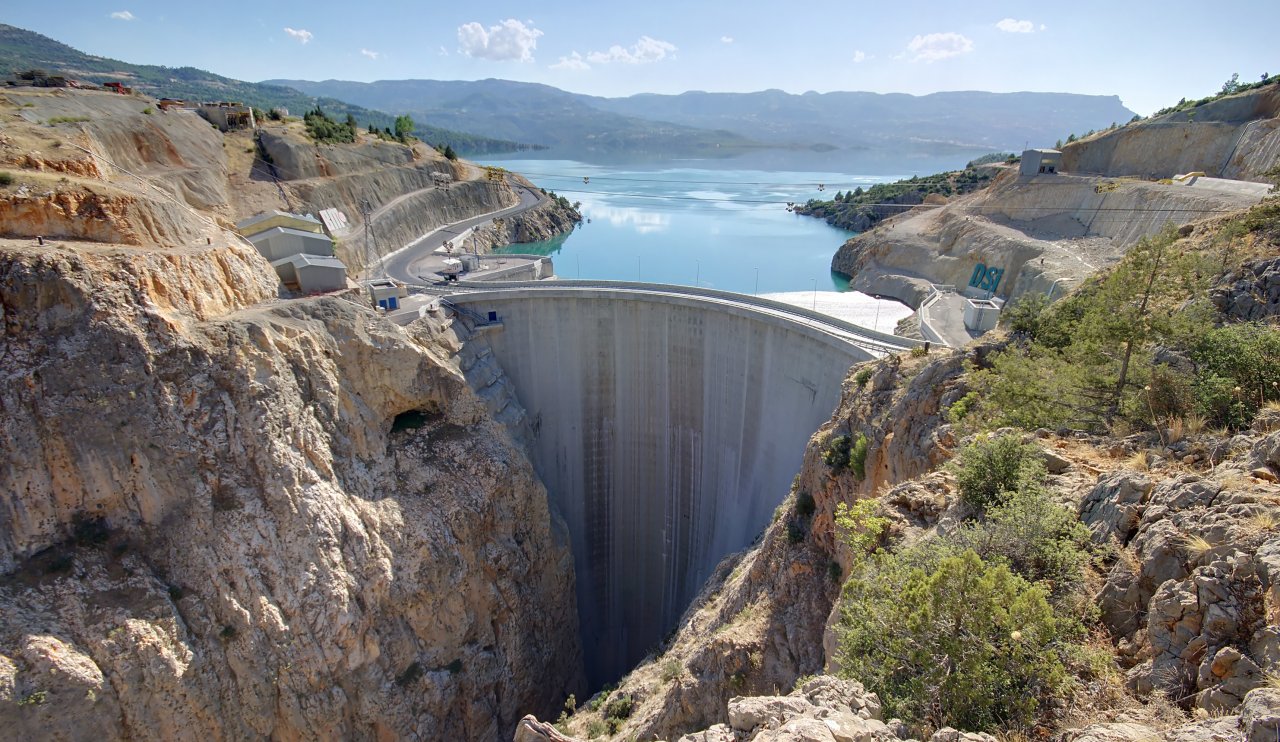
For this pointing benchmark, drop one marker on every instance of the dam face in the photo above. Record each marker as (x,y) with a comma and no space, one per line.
(667,430)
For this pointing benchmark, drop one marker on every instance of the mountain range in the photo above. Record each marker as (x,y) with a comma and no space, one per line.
(487,116)
(22,50)
(541,114)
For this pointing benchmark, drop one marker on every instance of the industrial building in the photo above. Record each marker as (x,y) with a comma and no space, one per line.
(312,274)
(1040,161)
(281,242)
(275,218)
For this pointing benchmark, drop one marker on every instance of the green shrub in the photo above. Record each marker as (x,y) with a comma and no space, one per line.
(804,504)
(1238,372)
(1035,537)
(148,110)
(859,526)
(964,643)
(837,454)
(6,178)
(1024,315)
(919,351)
(671,669)
(858,457)
(67,119)
(596,728)
(960,409)
(454,667)
(619,708)
(795,531)
(861,378)
(228,632)
(988,470)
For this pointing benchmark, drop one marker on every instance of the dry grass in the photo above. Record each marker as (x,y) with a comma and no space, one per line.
(1194,424)
(1177,430)
(1138,462)
(1264,521)
(1272,406)
(1195,547)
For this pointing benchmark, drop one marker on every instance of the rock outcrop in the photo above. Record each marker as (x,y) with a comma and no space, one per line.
(226,518)
(1236,137)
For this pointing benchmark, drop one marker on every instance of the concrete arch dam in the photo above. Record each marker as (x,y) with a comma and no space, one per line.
(668,427)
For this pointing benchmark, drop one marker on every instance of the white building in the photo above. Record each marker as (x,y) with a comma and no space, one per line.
(1040,161)
(312,273)
(281,242)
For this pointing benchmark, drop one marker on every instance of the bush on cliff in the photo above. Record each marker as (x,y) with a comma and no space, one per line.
(954,642)
(975,629)
(988,470)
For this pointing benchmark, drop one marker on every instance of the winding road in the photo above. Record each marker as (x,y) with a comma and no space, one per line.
(415,262)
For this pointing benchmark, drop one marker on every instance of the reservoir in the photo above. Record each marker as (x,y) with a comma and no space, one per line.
(715,224)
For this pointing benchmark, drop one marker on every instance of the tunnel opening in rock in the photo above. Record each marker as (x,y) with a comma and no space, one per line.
(667,429)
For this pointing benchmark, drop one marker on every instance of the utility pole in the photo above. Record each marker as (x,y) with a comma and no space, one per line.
(371,250)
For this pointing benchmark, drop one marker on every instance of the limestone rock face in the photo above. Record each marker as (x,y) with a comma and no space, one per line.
(227,519)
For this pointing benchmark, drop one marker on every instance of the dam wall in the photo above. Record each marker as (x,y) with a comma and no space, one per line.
(667,429)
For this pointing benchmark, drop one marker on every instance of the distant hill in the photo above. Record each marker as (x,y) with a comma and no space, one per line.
(22,50)
(528,112)
(547,115)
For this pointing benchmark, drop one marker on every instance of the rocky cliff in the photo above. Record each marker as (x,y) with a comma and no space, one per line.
(227,519)
(1234,137)
(1046,232)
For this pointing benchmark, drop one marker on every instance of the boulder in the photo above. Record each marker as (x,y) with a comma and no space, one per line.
(749,713)
(1260,715)
(717,733)
(1111,733)
(1114,506)
(947,734)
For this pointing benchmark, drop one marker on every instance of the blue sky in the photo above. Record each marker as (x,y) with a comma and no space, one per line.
(1150,54)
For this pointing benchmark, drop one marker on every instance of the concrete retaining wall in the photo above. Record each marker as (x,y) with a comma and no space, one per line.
(668,429)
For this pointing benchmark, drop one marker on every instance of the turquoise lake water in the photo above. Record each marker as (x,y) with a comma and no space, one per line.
(717,224)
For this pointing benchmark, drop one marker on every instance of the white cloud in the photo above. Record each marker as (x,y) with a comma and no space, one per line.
(1010,25)
(935,46)
(571,62)
(647,49)
(443,52)
(510,40)
(1043,27)
(301,34)
(122,15)
(859,56)
(370,54)
(726,39)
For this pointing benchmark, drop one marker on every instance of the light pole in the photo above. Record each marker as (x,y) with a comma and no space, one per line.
(697,279)
(757,291)
(637,268)
(815,294)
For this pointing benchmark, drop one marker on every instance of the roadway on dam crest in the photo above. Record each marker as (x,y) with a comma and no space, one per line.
(668,425)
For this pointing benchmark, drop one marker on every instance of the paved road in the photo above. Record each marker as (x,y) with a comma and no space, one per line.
(416,262)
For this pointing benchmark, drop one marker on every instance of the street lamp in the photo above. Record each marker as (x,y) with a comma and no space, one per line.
(815,294)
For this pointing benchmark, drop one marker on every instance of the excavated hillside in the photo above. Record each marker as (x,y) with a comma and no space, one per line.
(113,168)
(1048,232)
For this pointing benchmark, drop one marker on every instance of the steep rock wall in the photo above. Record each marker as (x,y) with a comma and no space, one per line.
(1235,137)
(212,531)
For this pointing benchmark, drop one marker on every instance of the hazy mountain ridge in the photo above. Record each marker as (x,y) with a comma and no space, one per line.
(528,112)
(21,49)
(548,115)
